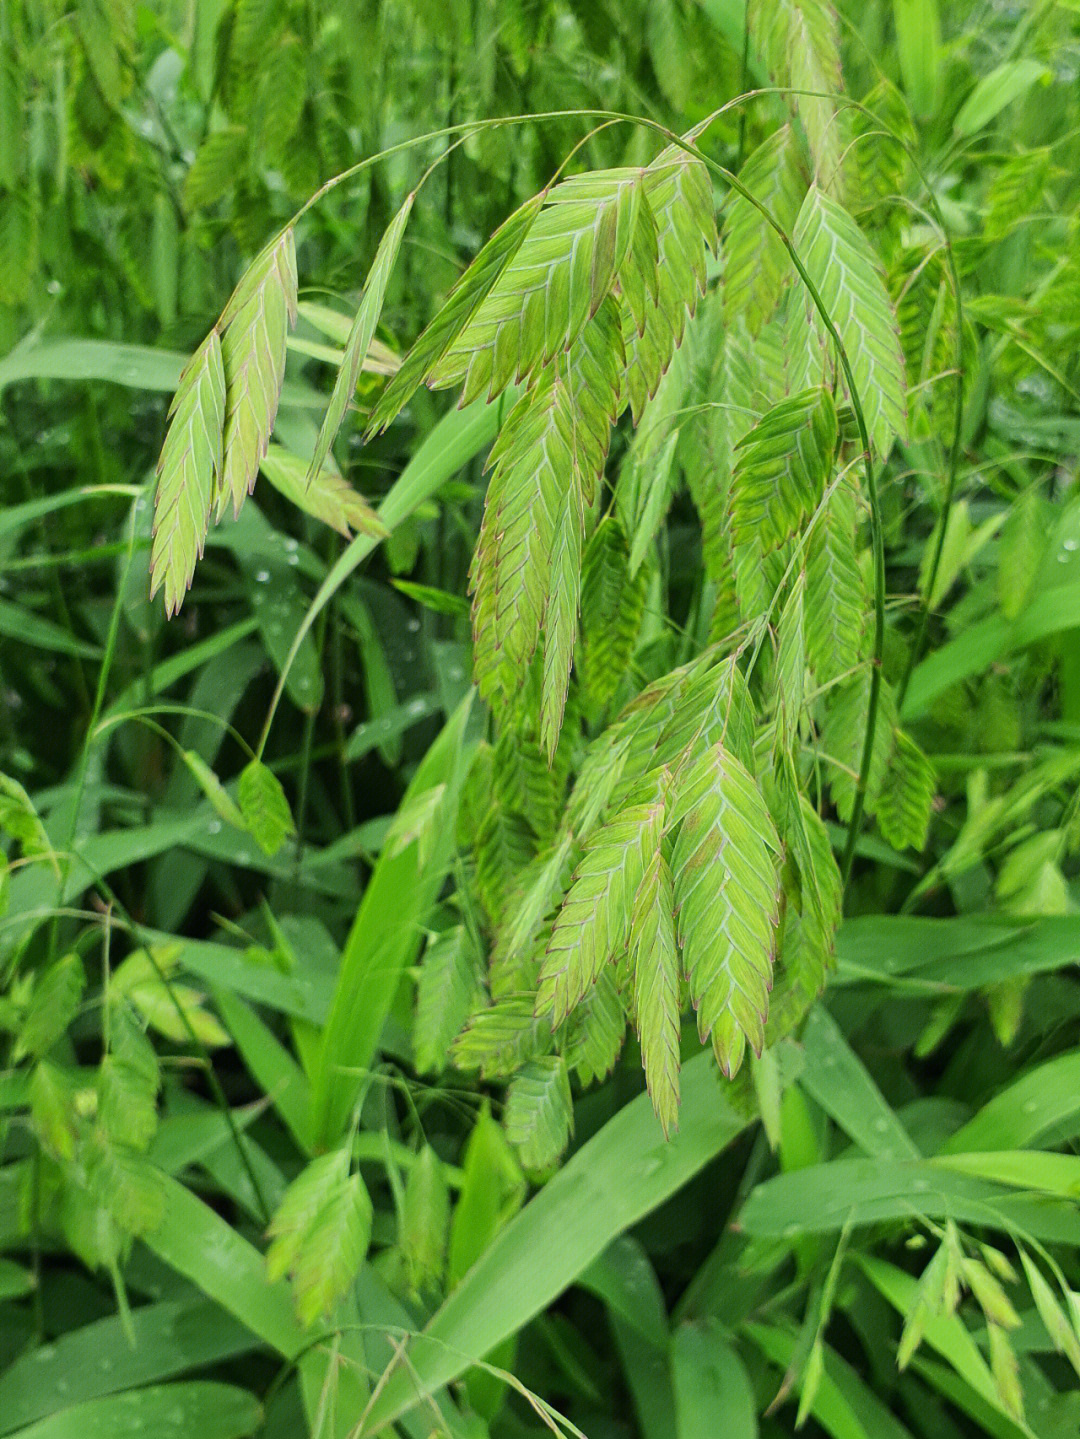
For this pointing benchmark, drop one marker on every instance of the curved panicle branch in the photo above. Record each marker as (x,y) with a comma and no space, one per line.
(483,363)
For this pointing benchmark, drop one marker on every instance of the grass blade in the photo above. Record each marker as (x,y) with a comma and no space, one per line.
(168,1411)
(610,1183)
(202,1246)
(359,341)
(386,935)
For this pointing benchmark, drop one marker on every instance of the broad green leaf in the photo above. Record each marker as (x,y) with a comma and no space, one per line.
(202,1246)
(964,953)
(168,1411)
(618,1176)
(834,1076)
(1008,82)
(492,1189)
(385,937)
(1022,1168)
(827,1197)
(18,517)
(713,1395)
(954,554)
(918,40)
(989,640)
(624,1278)
(136,367)
(440,602)
(392,723)
(15,1281)
(279,604)
(271,1065)
(21,625)
(1042,1102)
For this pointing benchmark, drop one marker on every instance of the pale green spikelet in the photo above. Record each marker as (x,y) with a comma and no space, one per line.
(253,330)
(726,897)
(188,473)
